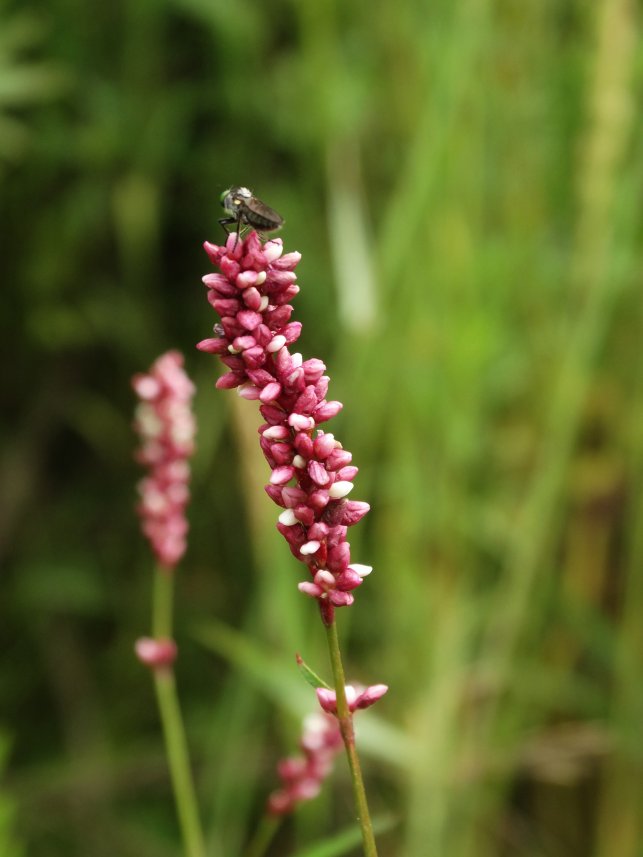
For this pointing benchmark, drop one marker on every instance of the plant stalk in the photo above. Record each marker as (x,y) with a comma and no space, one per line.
(345,719)
(172,722)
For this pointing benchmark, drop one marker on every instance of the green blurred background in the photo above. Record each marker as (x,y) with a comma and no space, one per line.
(464,179)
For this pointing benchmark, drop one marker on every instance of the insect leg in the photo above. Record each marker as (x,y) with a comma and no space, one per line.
(226,221)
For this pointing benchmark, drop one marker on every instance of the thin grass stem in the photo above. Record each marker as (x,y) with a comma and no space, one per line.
(172,722)
(345,719)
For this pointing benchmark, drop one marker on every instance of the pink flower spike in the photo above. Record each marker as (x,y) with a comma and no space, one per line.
(311,474)
(302,776)
(166,427)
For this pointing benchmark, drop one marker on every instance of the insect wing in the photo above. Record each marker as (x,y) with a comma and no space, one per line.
(264,212)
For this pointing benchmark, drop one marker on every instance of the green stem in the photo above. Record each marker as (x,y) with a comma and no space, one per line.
(162,603)
(348,735)
(263,836)
(172,722)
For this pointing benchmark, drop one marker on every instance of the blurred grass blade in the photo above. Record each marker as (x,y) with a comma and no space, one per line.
(347,840)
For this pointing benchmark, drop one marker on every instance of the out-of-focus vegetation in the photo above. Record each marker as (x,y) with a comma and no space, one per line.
(465,181)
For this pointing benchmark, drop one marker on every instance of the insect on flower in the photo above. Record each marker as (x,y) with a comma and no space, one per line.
(244,209)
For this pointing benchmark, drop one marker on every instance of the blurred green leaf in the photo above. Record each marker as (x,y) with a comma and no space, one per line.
(346,840)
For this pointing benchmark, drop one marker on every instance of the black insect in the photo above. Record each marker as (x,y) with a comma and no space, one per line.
(244,209)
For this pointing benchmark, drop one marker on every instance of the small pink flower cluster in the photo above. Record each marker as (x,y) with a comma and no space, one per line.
(156,654)
(356,697)
(165,424)
(302,776)
(312,474)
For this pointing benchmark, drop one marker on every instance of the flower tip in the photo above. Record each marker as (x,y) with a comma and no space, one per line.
(287,518)
(308,588)
(371,695)
(248,392)
(146,387)
(156,653)
(233,244)
(213,251)
(310,548)
(327,700)
(360,569)
(340,489)
(378,690)
(281,475)
(276,344)
(273,249)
